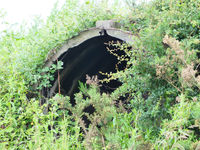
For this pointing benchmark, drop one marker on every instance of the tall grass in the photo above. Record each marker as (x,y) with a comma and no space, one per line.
(157,106)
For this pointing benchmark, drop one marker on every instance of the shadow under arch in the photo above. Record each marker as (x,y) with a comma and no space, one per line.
(87,54)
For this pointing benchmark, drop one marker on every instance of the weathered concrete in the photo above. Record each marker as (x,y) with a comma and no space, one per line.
(85,35)
(107,24)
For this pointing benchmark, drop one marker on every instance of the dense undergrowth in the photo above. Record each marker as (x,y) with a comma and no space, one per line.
(157,106)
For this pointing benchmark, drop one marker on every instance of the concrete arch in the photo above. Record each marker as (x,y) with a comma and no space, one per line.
(85,35)
(86,39)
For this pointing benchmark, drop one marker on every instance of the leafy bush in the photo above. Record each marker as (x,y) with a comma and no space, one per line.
(157,106)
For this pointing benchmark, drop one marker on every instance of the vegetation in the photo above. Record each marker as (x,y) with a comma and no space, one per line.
(157,106)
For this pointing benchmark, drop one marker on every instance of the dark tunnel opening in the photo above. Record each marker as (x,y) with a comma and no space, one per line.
(89,58)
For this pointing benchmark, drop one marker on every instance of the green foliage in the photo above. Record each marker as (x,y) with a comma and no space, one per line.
(29,128)
(161,69)
(157,106)
(45,75)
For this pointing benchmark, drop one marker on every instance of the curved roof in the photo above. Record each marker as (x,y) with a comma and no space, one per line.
(86,35)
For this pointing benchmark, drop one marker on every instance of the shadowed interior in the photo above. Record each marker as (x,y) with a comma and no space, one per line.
(89,58)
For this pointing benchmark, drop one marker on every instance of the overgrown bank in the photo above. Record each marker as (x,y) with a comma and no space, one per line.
(161,85)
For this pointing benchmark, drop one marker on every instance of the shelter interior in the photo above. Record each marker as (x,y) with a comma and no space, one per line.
(90,58)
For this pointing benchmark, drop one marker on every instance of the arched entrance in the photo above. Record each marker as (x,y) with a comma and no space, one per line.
(87,54)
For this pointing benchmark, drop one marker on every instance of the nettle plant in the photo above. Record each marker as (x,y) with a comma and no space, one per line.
(45,75)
